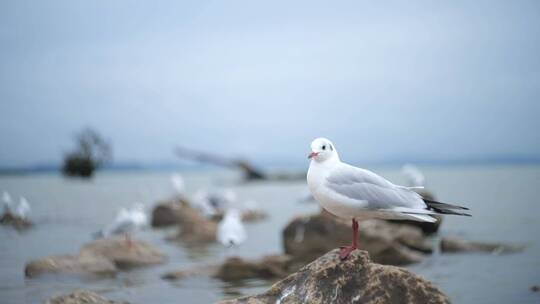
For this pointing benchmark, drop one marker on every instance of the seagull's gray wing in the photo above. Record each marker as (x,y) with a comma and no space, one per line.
(363,185)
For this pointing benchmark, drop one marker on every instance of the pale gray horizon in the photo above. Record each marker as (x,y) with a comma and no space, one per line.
(445,80)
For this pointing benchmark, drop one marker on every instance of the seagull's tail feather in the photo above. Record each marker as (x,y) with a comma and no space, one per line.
(444,208)
(421,217)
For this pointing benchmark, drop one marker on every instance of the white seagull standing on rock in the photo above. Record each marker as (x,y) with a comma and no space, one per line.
(353,193)
(127,221)
(231,231)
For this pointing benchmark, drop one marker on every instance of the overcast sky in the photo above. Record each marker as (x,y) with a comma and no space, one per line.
(404,79)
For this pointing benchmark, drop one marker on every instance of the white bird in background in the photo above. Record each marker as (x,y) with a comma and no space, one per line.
(178,184)
(353,193)
(413,175)
(127,221)
(231,231)
(23,208)
(212,203)
(6,199)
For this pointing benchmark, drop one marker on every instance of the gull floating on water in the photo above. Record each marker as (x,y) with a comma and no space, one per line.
(231,231)
(413,175)
(127,221)
(353,193)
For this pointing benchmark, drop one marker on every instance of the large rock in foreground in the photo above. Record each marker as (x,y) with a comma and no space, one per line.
(355,280)
(308,237)
(81,297)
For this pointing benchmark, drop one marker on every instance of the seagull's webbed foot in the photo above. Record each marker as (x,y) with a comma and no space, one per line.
(346,251)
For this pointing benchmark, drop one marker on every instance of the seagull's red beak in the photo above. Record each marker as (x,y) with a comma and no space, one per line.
(312,155)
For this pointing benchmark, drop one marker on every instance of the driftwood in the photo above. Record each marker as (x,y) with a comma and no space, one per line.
(250,172)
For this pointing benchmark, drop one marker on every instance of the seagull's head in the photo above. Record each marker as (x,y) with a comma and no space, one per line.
(322,149)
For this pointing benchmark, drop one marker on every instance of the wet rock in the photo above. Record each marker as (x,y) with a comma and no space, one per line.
(427,228)
(269,267)
(308,237)
(455,245)
(236,269)
(195,228)
(247,216)
(19,223)
(169,213)
(81,264)
(355,280)
(81,297)
(124,255)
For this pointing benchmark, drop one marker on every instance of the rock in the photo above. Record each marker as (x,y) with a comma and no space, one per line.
(169,213)
(454,245)
(247,216)
(535,288)
(355,280)
(81,297)
(236,269)
(308,237)
(16,222)
(196,228)
(81,264)
(123,256)
(427,228)
(269,267)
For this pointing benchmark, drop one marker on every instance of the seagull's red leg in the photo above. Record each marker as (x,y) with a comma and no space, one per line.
(346,250)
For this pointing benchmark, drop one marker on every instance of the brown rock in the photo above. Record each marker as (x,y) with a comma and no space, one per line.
(81,264)
(454,245)
(124,256)
(81,297)
(269,267)
(16,222)
(235,269)
(355,280)
(169,213)
(253,215)
(308,237)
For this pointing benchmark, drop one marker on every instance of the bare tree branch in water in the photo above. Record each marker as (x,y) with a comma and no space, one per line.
(250,172)
(91,153)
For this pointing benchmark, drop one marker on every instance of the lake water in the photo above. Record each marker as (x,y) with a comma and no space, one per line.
(503,200)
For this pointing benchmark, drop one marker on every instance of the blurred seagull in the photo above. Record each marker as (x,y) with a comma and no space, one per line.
(231,231)
(353,193)
(178,184)
(6,199)
(212,203)
(22,209)
(126,222)
(415,178)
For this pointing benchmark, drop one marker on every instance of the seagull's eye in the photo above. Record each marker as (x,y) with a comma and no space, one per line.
(324,147)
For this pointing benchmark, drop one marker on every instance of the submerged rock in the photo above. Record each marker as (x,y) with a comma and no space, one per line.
(454,245)
(308,237)
(81,297)
(80,264)
(101,257)
(355,280)
(19,223)
(124,255)
(236,269)
(269,267)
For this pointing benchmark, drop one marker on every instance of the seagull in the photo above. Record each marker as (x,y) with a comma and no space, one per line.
(6,198)
(214,202)
(23,208)
(353,193)
(178,183)
(127,221)
(231,231)
(415,177)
